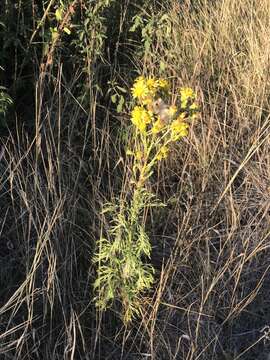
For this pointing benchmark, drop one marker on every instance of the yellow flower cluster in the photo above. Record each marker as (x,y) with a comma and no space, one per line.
(187,95)
(158,125)
(145,89)
(163,152)
(140,117)
(140,89)
(179,129)
(160,122)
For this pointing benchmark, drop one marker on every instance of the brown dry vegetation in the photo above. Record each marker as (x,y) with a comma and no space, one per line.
(210,244)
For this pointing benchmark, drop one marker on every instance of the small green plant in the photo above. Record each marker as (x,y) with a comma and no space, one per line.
(117,95)
(122,271)
(152,29)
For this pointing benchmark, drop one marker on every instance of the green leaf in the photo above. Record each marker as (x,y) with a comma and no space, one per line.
(162,66)
(59,14)
(137,22)
(67,31)
(120,104)
(113,98)
(147,45)
(121,89)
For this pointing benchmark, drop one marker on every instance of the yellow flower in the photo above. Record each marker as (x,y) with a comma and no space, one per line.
(151,83)
(194,111)
(179,129)
(194,106)
(194,116)
(140,117)
(163,84)
(182,116)
(139,155)
(140,89)
(163,153)
(147,102)
(187,92)
(129,152)
(172,110)
(145,89)
(186,95)
(157,126)
(146,116)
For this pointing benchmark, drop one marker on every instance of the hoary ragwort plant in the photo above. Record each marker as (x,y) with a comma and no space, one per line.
(157,123)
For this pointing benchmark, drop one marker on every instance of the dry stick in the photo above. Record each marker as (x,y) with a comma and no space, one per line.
(250,347)
(41,21)
(2,152)
(49,59)
(66,19)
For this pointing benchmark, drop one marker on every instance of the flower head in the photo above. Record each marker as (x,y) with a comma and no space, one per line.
(140,89)
(182,116)
(157,126)
(140,117)
(151,83)
(163,153)
(139,155)
(145,89)
(194,111)
(187,94)
(163,84)
(194,107)
(179,129)
(129,152)
(147,101)
(172,110)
